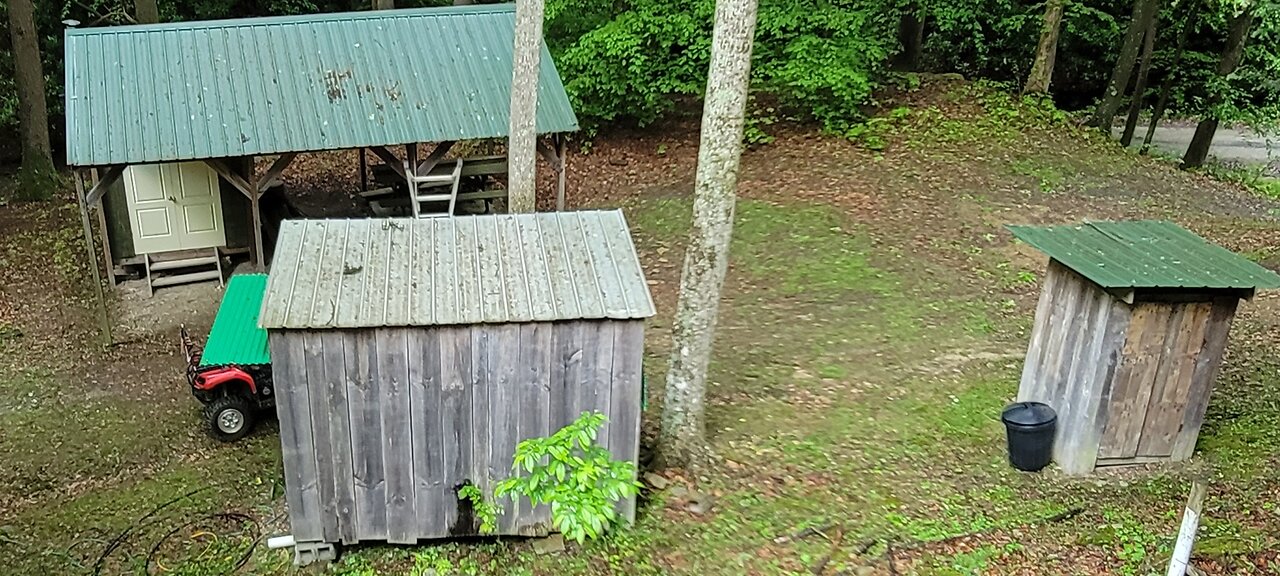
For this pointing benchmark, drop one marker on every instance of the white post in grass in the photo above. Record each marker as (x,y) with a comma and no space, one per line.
(1187,534)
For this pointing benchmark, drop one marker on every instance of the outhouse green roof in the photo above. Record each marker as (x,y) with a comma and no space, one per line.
(1145,254)
(261,86)
(235,337)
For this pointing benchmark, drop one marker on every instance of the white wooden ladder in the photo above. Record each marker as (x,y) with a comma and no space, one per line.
(182,267)
(422,190)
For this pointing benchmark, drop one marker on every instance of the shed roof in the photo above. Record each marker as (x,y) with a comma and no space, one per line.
(260,86)
(235,337)
(1146,254)
(463,270)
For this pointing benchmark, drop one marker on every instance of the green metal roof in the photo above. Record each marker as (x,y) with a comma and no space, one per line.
(260,86)
(236,337)
(1145,254)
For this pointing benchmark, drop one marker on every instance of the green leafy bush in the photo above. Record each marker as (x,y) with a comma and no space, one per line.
(574,475)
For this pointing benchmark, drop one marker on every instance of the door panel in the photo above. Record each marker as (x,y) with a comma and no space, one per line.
(174,207)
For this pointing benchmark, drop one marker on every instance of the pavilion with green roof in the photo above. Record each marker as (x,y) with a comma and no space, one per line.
(1129,334)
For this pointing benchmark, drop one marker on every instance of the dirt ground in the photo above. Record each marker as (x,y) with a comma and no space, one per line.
(873,325)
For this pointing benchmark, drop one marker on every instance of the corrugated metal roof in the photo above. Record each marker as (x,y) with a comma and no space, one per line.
(258,86)
(463,270)
(1145,254)
(235,337)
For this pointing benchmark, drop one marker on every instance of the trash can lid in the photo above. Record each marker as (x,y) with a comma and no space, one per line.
(1028,414)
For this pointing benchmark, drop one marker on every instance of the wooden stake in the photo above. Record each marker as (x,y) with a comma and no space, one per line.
(104,320)
(102,234)
(562,155)
(255,206)
(1187,534)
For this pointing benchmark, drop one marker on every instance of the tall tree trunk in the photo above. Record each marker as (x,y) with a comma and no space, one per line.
(145,11)
(1166,87)
(1110,103)
(384,4)
(1047,51)
(33,116)
(911,37)
(522,140)
(1140,84)
(1198,150)
(682,440)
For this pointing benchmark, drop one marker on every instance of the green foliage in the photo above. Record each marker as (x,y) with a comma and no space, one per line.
(574,475)
(484,510)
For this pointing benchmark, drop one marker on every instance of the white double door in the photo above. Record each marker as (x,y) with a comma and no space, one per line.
(174,206)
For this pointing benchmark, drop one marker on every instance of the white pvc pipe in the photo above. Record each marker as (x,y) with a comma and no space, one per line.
(1187,534)
(276,542)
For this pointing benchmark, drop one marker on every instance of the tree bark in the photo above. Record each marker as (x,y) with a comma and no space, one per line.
(145,11)
(1198,150)
(1047,51)
(33,115)
(682,440)
(522,139)
(1166,87)
(911,38)
(1140,84)
(1110,103)
(384,4)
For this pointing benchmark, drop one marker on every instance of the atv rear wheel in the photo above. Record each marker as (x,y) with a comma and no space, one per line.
(230,418)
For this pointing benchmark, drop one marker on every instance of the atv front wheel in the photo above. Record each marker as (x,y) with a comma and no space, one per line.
(230,418)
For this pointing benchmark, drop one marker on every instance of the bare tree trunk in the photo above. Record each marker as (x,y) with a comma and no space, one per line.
(1047,51)
(384,4)
(682,440)
(39,176)
(911,37)
(522,140)
(1110,103)
(145,11)
(1140,85)
(1198,150)
(1166,87)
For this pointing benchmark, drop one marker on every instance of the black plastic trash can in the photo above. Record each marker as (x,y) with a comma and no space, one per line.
(1030,427)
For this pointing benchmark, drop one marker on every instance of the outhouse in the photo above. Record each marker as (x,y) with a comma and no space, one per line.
(1129,334)
(410,356)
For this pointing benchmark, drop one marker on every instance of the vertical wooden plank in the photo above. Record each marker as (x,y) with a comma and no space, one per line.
(322,447)
(534,409)
(1065,304)
(504,408)
(482,385)
(364,406)
(336,384)
(1208,362)
(1134,379)
(455,416)
(597,373)
(1030,389)
(625,399)
(1076,445)
(296,447)
(426,416)
(1169,399)
(1075,332)
(1079,360)
(397,435)
(566,373)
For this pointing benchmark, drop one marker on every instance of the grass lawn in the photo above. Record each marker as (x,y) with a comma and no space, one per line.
(873,326)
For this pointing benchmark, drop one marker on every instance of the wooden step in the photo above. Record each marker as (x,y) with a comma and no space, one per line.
(157,266)
(174,279)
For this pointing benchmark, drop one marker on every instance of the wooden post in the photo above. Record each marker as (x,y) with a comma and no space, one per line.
(364,170)
(1178,563)
(102,235)
(103,320)
(255,208)
(562,166)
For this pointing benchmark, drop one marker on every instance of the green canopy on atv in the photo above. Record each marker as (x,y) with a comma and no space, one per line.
(236,338)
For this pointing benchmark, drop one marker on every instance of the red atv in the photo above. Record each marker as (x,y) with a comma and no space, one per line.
(231,376)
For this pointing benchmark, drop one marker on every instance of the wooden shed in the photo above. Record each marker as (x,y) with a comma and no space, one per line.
(410,356)
(1129,334)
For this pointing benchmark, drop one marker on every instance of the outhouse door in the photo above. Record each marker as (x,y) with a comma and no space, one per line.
(174,206)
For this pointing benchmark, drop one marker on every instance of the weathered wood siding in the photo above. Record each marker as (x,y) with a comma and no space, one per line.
(1130,382)
(381,426)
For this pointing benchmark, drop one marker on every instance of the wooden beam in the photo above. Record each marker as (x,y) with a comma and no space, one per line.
(548,152)
(389,159)
(562,149)
(102,235)
(104,320)
(410,167)
(255,208)
(364,169)
(273,172)
(100,187)
(434,157)
(234,179)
